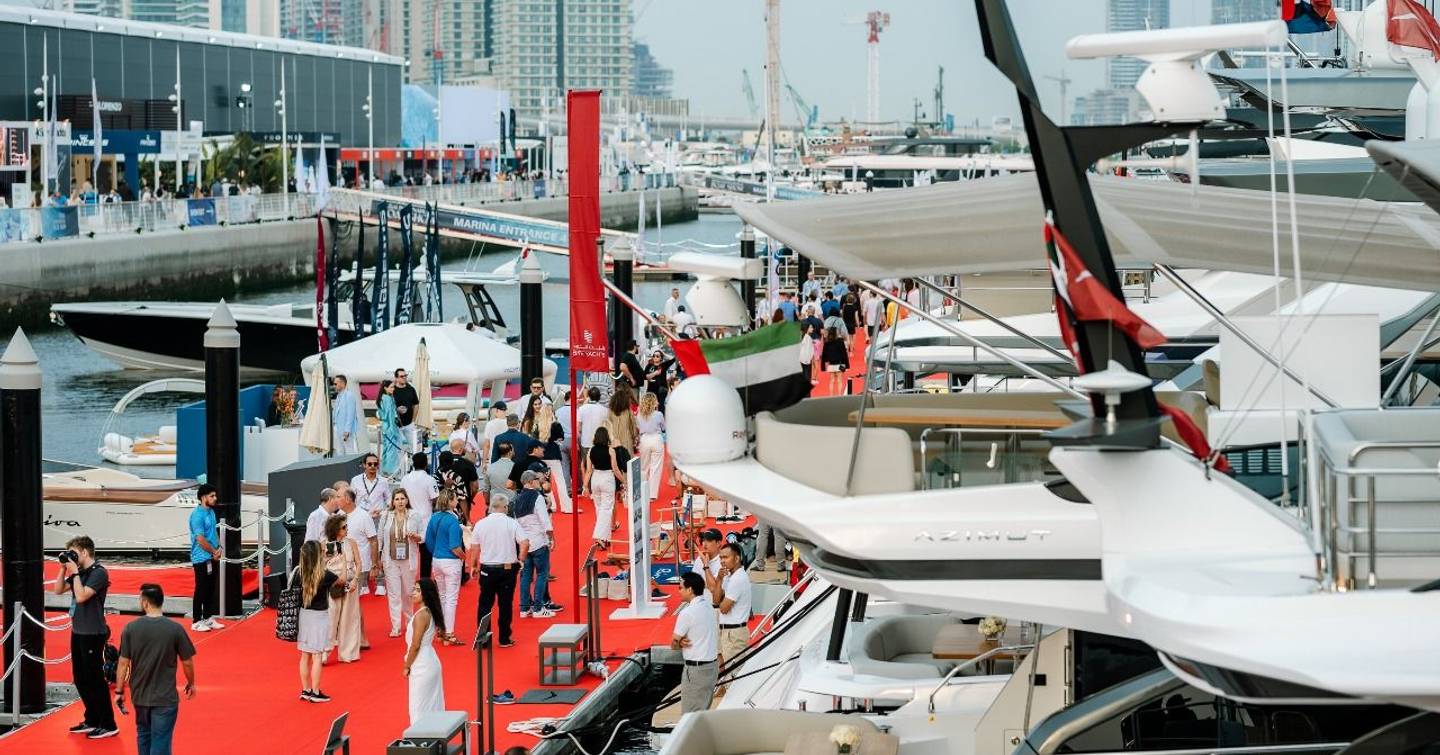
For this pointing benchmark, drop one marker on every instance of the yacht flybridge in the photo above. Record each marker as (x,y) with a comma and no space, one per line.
(1227,620)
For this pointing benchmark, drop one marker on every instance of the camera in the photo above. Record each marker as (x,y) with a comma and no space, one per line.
(66,557)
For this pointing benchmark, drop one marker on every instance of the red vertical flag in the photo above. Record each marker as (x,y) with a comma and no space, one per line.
(1089,299)
(1287,10)
(320,284)
(589,346)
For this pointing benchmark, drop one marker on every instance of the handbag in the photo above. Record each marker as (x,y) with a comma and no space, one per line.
(287,613)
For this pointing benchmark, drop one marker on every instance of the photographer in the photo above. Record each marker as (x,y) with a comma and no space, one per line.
(88,582)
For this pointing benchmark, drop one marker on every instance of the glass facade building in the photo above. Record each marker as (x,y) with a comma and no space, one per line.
(130,61)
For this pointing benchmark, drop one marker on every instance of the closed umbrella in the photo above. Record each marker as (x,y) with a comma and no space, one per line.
(421,372)
(315,429)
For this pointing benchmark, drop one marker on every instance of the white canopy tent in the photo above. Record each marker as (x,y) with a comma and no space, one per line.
(457,357)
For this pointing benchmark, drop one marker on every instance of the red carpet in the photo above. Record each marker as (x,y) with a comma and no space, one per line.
(853,375)
(175,579)
(247,681)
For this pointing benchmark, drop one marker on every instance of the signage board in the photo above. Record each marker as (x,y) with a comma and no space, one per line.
(640,574)
(510,229)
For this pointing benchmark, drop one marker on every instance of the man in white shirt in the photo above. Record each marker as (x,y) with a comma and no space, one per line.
(672,304)
(591,414)
(497,547)
(493,427)
(422,491)
(697,638)
(361,528)
(730,593)
(708,559)
(372,492)
(315,523)
(684,322)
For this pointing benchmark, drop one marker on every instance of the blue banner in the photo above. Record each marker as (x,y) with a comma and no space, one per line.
(540,188)
(201,211)
(14,226)
(60,222)
(506,228)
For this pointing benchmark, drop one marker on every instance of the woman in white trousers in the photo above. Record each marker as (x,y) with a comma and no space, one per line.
(601,479)
(446,567)
(651,424)
(400,552)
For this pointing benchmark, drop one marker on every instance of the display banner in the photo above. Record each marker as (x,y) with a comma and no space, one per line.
(640,575)
(589,346)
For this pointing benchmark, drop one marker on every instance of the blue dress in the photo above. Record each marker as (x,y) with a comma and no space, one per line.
(391,443)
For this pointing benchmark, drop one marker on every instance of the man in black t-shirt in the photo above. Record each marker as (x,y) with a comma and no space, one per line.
(630,368)
(406,399)
(149,648)
(88,583)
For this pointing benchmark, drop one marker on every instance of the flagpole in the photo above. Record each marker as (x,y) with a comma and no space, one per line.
(576,484)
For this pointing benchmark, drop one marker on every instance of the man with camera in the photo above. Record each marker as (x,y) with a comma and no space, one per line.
(88,582)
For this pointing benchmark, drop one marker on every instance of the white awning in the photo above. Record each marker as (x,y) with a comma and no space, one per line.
(994,225)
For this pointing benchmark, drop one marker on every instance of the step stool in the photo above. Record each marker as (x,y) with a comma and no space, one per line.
(562,654)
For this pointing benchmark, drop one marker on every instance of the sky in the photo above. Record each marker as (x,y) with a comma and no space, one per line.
(823,53)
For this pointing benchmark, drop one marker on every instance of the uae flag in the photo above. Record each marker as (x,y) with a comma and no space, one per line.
(763,365)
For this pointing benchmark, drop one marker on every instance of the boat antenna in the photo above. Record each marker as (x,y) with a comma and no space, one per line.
(1062,158)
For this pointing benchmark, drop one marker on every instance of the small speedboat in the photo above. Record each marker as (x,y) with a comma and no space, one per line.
(156,450)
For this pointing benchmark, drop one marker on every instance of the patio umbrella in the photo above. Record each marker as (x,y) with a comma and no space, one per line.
(315,429)
(421,372)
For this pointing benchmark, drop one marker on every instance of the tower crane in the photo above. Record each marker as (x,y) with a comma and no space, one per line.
(875,22)
(749,94)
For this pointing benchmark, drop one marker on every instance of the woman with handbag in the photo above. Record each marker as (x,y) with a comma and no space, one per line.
(400,552)
(313,635)
(602,473)
(343,559)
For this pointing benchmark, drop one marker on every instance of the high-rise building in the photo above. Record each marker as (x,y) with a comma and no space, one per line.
(1242,11)
(1132,15)
(543,47)
(447,40)
(335,22)
(651,79)
(192,13)
(111,8)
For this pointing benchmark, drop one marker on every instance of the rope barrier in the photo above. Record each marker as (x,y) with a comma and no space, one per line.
(256,554)
(47,661)
(288,513)
(46,623)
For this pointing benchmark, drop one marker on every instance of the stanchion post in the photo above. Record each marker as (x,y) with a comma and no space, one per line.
(22,538)
(747,285)
(623,257)
(222,441)
(532,331)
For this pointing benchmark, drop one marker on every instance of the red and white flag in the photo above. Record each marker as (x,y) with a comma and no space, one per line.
(1410,25)
(1088,298)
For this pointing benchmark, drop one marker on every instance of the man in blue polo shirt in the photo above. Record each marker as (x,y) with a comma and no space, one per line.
(205,557)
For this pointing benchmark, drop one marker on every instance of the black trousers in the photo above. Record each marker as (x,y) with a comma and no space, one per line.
(424,568)
(87,664)
(207,590)
(497,583)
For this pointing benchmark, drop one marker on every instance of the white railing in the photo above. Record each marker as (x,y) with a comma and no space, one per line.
(40,224)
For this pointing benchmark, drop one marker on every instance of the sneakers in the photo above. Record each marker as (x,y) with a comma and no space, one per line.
(759,565)
(556,607)
(504,698)
(315,696)
(364,590)
(81,728)
(507,644)
(524,613)
(380,590)
(101,732)
(543,613)
(214,624)
(200,626)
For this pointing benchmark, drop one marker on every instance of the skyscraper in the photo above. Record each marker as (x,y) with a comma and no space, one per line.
(651,79)
(193,13)
(335,22)
(543,47)
(111,8)
(1242,11)
(450,38)
(1132,15)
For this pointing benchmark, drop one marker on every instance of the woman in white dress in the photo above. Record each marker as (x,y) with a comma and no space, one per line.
(422,664)
(400,551)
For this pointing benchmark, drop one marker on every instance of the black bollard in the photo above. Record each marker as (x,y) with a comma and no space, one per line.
(532,331)
(747,286)
(623,255)
(21,538)
(222,442)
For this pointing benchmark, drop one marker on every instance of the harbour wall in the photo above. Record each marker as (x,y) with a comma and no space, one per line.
(209,262)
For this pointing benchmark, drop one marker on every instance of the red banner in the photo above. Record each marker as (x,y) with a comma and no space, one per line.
(1410,25)
(692,359)
(320,285)
(589,344)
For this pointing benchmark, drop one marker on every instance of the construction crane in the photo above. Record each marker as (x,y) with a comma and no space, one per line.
(940,96)
(749,94)
(808,115)
(1064,82)
(437,54)
(875,22)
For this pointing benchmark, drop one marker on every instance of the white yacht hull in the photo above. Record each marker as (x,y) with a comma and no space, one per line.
(125,513)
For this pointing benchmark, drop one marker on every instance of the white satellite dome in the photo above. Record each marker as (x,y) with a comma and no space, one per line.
(705,422)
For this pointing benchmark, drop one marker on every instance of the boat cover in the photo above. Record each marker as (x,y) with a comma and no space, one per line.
(994,225)
(1415,164)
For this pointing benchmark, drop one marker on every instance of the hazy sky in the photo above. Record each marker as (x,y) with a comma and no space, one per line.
(708,42)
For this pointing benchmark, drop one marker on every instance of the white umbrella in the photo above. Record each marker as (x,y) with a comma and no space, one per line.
(457,355)
(421,373)
(315,430)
